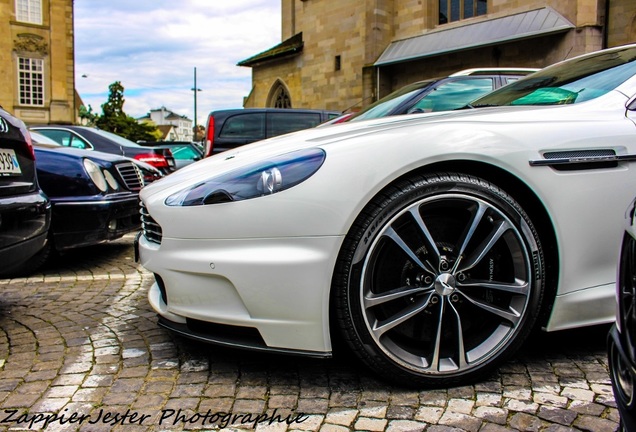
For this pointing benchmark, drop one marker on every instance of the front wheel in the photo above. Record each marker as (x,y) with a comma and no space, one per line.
(439,280)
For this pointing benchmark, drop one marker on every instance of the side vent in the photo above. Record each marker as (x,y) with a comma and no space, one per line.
(582,159)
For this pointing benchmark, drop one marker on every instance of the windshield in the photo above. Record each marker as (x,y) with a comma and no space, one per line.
(570,82)
(385,105)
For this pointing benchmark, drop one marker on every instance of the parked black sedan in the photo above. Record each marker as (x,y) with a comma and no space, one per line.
(94,195)
(25,211)
(90,138)
(622,337)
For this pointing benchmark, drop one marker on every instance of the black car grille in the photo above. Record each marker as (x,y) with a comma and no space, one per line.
(131,175)
(627,294)
(150,228)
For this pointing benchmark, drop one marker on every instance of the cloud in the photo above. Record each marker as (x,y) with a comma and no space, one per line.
(153,46)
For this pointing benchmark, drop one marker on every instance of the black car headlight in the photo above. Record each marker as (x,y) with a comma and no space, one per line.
(255,180)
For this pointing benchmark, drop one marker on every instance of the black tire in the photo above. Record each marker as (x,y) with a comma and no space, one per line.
(621,353)
(439,280)
(623,384)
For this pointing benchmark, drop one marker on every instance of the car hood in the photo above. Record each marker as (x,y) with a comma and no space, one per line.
(79,153)
(344,133)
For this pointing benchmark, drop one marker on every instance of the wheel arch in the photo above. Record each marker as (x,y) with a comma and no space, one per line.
(526,198)
(531,204)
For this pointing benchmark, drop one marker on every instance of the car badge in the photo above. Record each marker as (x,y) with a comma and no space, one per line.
(4,127)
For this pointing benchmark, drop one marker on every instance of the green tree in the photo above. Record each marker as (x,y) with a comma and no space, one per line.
(87,115)
(115,120)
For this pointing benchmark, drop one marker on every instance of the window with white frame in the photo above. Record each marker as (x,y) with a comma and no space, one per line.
(31,81)
(29,11)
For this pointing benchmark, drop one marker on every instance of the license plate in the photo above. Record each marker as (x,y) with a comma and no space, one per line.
(9,163)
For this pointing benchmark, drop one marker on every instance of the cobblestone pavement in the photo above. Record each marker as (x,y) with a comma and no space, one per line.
(80,350)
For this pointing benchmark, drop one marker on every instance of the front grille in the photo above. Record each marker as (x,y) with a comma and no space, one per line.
(131,175)
(150,228)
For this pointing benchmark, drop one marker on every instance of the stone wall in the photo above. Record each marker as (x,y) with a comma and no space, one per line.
(51,41)
(358,31)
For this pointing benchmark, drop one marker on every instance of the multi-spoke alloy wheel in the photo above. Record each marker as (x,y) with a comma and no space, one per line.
(439,280)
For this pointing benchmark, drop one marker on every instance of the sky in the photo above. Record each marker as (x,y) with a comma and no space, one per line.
(153,47)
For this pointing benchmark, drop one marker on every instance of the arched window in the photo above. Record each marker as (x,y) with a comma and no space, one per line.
(279,96)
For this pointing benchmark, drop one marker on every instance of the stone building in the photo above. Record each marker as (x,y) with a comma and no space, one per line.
(37,60)
(346,54)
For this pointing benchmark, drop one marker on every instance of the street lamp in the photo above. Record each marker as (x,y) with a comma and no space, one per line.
(195,89)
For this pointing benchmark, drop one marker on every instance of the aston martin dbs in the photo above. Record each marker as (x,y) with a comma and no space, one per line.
(432,243)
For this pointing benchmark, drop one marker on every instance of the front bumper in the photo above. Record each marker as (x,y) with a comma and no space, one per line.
(269,294)
(78,223)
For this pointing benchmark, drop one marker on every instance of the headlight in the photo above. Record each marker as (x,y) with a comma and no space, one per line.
(95,173)
(255,180)
(112,182)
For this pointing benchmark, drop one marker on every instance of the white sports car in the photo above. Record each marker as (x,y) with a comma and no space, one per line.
(433,243)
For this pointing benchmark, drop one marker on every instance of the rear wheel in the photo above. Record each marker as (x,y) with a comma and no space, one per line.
(439,280)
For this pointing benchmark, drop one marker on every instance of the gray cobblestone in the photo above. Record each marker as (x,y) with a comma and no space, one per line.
(80,338)
(492,414)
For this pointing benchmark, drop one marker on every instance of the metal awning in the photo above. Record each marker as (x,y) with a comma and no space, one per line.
(523,25)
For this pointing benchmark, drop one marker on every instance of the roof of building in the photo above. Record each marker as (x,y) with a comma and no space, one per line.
(291,46)
(523,25)
(165,130)
(168,114)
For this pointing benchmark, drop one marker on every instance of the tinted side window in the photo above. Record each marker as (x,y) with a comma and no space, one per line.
(453,95)
(249,126)
(282,123)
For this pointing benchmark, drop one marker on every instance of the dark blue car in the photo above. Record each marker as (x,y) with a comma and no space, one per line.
(94,196)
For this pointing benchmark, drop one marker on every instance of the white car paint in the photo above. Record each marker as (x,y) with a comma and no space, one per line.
(268,262)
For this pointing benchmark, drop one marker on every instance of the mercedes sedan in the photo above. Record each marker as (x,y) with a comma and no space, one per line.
(95,195)
(91,138)
(94,198)
(433,243)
